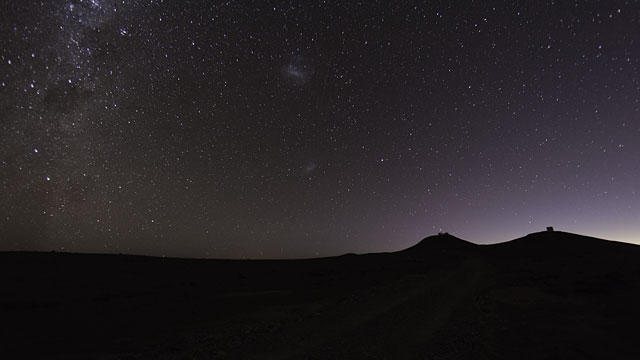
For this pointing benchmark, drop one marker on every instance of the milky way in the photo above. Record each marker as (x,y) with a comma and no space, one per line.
(265,129)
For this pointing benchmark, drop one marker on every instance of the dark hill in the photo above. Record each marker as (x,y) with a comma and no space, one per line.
(441,244)
(546,295)
(562,243)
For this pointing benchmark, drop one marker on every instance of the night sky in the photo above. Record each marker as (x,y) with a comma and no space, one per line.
(260,129)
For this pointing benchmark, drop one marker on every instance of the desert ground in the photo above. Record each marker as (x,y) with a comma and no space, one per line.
(549,295)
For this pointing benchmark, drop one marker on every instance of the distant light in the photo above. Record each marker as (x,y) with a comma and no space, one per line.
(35,150)
(48,178)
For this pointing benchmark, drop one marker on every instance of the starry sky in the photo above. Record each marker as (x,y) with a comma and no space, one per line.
(283,129)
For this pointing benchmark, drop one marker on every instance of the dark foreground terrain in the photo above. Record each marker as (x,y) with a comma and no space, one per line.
(545,296)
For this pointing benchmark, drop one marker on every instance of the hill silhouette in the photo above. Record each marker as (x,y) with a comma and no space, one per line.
(439,248)
(545,295)
(440,243)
